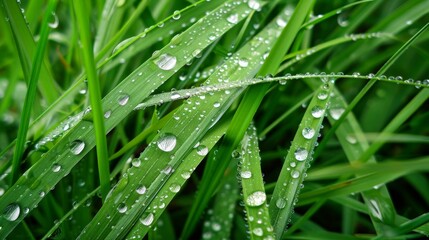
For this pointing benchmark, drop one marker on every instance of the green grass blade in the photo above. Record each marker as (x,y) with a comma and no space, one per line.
(95,97)
(297,160)
(31,93)
(254,195)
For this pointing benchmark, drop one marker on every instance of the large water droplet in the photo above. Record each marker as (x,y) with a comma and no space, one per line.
(308,133)
(175,188)
(136,162)
(186,175)
(202,150)
(122,208)
(148,220)
(294,174)
(175,96)
(123,99)
(258,232)
(166,62)
(167,142)
(256,199)
(11,212)
(281,203)
(243,62)
(301,154)
(76,147)
(56,167)
(141,189)
(336,112)
(254,4)
(233,18)
(280,22)
(317,112)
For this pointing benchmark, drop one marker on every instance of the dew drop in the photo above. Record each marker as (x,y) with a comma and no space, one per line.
(258,232)
(77,146)
(166,62)
(107,114)
(123,99)
(175,96)
(216,104)
(55,23)
(11,212)
(281,203)
(256,199)
(280,22)
(308,133)
(167,142)
(176,15)
(56,167)
(322,95)
(246,174)
(174,188)
(233,18)
(186,175)
(254,4)
(122,208)
(148,220)
(136,162)
(301,154)
(141,189)
(202,150)
(294,174)
(243,62)
(317,112)
(336,112)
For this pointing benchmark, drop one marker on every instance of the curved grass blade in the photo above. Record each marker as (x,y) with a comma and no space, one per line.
(254,196)
(219,218)
(298,160)
(119,103)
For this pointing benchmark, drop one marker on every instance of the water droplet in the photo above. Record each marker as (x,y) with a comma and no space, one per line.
(167,169)
(216,227)
(56,167)
(148,220)
(258,232)
(280,22)
(175,96)
(107,114)
(281,203)
(55,23)
(175,188)
(136,162)
(317,112)
(322,95)
(122,208)
(336,112)
(176,15)
(166,62)
(246,174)
(233,18)
(254,4)
(243,62)
(202,150)
(256,199)
(141,189)
(11,212)
(167,142)
(216,104)
(351,139)
(294,174)
(186,175)
(342,20)
(308,133)
(123,99)
(301,154)
(1,191)
(77,146)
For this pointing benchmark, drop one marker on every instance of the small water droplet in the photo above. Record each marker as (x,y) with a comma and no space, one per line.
(246,174)
(281,203)
(308,133)
(322,95)
(294,174)
(256,199)
(243,62)
(76,147)
(107,114)
(301,154)
(11,212)
(56,167)
(258,232)
(147,220)
(176,15)
(233,18)
(123,99)
(136,162)
(122,208)
(167,142)
(174,188)
(216,104)
(202,150)
(166,62)
(141,189)
(317,112)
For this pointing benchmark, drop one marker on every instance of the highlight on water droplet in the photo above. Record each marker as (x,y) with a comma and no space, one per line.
(166,61)
(256,199)
(11,212)
(301,154)
(148,219)
(76,147)
(167,142)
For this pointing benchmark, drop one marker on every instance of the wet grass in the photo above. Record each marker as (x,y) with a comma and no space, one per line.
(206,119)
